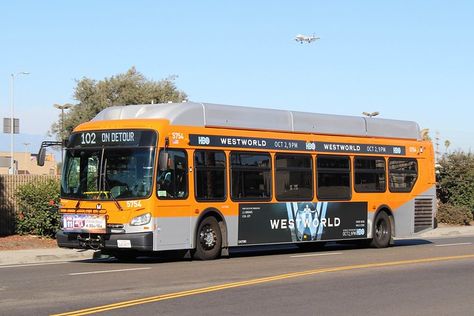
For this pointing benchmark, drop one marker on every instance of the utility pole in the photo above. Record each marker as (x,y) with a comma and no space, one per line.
(12,119)
(437,146)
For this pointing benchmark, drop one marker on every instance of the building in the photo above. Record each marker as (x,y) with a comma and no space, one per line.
(25,163)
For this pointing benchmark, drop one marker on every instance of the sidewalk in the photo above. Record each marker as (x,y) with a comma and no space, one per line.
(29,256)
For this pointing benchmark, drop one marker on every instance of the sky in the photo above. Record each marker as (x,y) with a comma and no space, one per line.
(408,60)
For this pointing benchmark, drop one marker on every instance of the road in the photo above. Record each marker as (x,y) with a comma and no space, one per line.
(416,277)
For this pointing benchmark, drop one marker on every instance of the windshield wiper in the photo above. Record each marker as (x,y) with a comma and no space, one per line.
(106,184)
(101,169)
(112,196)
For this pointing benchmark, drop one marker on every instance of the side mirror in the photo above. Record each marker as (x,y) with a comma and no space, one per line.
(41,156)
(42,152)
(163,161)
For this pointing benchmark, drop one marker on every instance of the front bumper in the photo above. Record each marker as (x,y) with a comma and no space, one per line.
(138,241)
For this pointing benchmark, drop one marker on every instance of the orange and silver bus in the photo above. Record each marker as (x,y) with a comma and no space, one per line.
(205,177)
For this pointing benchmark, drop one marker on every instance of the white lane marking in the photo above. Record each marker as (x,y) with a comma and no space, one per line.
(31,264)
(458,244)
(317,254)
(108,271)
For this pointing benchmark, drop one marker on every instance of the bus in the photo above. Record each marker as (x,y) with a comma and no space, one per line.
(206,177)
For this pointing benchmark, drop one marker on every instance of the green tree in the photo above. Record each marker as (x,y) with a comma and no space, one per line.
(456,179)
(425,134)
(130,87)
(447,143)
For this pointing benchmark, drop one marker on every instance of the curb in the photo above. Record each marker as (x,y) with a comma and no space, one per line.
(31,256)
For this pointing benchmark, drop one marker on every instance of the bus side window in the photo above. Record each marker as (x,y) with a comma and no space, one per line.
(333,177)
(172,179)
(403,173)
(293,177)
(251,176)
(369,174)
(210,175)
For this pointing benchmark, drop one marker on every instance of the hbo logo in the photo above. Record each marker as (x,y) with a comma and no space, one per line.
(203,140)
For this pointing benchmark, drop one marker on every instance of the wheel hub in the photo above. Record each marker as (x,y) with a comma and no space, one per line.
(381,229)
(208,237)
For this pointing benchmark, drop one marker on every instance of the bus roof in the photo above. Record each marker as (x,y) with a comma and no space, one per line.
(228,116)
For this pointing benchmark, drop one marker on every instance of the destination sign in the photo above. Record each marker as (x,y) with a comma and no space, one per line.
(293,145)
(124,138)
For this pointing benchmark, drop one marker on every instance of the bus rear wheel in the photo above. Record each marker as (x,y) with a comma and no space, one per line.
(208,240)
(382,231)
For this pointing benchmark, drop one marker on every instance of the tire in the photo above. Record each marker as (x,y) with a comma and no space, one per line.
(382,231)
(208,240)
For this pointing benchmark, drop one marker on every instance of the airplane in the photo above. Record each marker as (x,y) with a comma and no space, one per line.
(304,38)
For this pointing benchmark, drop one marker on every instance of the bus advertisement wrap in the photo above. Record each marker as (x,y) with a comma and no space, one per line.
(293,145)
(301,221)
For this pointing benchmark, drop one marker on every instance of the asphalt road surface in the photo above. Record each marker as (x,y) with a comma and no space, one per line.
(416,277)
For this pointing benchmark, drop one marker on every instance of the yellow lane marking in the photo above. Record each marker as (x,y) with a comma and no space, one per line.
(220,287)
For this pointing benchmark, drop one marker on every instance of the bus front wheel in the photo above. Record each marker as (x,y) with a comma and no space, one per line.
(382,231)
(208,240)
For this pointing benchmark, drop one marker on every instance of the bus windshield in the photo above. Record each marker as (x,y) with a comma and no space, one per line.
(108,173)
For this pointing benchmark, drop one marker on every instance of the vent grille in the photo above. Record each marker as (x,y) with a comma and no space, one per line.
(423,214)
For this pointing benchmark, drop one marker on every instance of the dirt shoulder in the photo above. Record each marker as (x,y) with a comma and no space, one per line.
(17,242)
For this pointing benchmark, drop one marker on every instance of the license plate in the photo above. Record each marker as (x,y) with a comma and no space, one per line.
(124,244)
(84,223)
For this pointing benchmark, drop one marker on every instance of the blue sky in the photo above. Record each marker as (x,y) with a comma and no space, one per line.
(409,60)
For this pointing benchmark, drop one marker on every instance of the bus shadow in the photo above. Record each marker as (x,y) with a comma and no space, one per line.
(251,251)
(153,258)
(183,256)
(412,242)
(270,250)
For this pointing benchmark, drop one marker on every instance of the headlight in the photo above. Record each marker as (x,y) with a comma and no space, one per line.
(141,220)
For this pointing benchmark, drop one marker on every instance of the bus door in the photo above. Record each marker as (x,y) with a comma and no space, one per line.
(173,209)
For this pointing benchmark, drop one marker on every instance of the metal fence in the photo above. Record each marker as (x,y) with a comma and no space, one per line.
(9,185)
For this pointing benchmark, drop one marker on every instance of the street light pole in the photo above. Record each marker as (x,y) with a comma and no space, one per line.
(26,153)
(62,108)
(12,119)
(372,114)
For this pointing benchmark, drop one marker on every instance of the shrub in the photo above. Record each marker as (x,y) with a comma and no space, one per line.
(454,214)
(456,179)
(38,212)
